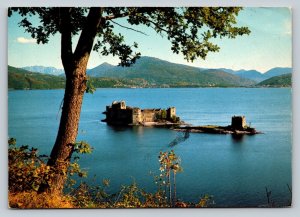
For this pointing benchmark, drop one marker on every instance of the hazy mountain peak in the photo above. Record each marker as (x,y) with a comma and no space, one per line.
(45,70)
(278,71)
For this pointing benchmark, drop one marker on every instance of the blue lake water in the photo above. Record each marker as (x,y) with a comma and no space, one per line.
(235,172)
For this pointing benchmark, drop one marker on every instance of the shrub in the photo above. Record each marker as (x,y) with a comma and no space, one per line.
(175,119)
(163,114)
(34,200)
(26,169)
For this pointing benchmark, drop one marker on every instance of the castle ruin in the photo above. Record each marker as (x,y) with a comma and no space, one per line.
(238,122)
(120,114)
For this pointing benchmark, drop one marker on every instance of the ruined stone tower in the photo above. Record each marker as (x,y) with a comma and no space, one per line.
(238,122)
(171,112)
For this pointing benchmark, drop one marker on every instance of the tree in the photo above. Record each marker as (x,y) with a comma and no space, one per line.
(188,29)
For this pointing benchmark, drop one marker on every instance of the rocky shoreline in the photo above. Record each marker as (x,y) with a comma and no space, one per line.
(211,129)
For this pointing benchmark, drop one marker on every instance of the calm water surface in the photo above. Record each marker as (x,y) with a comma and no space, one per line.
(235,172)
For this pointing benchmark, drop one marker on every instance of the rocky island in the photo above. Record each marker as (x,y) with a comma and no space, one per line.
(121,115)
(238,127)
(118,114)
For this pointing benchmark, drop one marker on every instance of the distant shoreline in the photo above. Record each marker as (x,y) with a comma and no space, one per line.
(16,89)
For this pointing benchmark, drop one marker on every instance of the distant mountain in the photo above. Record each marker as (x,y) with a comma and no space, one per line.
(231,71)
(250,74)
(284,80)
(44,70)
(100,70)
(277,71)
(256,75)
(159,72)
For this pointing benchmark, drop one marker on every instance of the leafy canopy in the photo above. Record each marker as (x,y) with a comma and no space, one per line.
(189,29)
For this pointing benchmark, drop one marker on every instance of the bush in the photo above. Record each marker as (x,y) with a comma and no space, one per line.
(34,200)
(175,119)
(26,169)
(163,114)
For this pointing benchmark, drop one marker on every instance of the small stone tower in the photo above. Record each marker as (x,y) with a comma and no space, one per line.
(238,122)
(136,116)
(171,112)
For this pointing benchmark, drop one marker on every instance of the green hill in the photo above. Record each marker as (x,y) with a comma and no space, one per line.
(118,82)
(23,79)
(277,81)
(163,73)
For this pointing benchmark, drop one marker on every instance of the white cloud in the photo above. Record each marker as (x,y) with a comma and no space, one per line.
(23,40)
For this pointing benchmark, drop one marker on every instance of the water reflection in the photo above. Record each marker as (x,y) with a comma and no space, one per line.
(119,128)
(237,138)
(181,137)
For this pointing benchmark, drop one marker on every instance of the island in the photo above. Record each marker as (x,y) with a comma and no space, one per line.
(118,114)
(121,115)
(238,127)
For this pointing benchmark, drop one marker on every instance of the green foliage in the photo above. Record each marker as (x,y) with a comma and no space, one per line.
(82,147)
(129,196)
(26,169)
(163,114)
(74,168)
(175,119)
(205,201)
(90,88)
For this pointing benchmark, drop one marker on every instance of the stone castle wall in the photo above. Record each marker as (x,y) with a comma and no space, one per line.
(119,113)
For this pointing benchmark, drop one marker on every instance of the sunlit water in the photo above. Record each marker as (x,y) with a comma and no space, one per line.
(235,172)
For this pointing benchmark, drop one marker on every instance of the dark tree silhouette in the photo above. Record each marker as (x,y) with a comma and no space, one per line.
(188,29)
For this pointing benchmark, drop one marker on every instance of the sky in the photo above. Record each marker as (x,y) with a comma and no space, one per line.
(269,44)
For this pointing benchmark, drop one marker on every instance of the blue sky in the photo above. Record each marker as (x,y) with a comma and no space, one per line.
(269,44)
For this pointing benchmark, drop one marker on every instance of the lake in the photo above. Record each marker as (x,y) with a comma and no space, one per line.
(235,172)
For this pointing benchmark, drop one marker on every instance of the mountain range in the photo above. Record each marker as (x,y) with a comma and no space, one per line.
(154,72)
(160,72)
(44,70)
(257,76)
(107,70)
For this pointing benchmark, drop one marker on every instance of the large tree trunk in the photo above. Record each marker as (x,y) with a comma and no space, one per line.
(63,148)
(75,69)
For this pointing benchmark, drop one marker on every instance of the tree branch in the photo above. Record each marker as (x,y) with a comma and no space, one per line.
(125,14)
(128,28)
(155,24)
(66,39)
(88,34)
